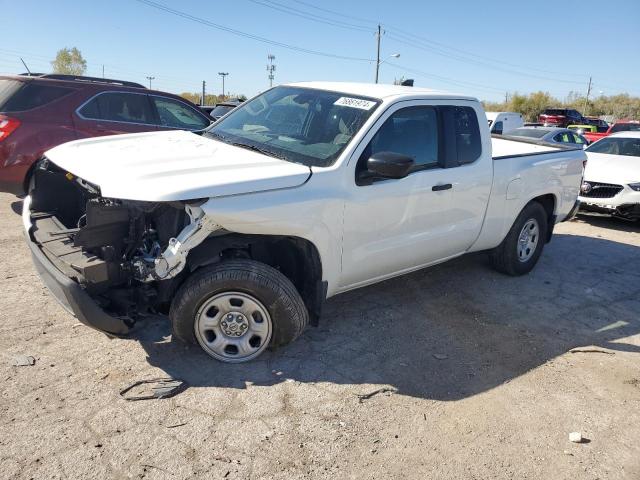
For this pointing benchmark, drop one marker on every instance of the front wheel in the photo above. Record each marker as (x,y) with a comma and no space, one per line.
(520,250)
(236,309)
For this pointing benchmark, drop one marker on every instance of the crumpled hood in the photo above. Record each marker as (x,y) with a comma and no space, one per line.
(174,165)
(617,169)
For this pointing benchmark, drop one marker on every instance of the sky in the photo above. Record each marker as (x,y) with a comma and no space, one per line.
(480,48)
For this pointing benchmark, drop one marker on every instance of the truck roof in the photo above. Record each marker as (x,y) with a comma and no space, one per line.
(381,91)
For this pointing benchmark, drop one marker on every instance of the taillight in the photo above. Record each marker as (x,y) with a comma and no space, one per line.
(7,126)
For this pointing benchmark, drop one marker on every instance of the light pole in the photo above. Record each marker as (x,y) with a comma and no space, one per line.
(148,78)
(223,74)
(380,62)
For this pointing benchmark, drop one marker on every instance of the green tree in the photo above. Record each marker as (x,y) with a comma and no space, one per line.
(69,61)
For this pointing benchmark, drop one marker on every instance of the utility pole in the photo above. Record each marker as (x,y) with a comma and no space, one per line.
(203,85)
(378,35)
(506,97)
(102,71)
(150,78)
(271,68)
(223,74)
(586,100)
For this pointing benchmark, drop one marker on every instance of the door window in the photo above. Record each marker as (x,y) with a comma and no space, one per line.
(119,107)
(175,114)
(579,139)
(411,131)
(498,128)
(563,137)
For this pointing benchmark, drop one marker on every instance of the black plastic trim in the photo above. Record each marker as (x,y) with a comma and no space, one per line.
(72,297)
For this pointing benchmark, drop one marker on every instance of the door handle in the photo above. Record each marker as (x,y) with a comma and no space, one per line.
(444,186)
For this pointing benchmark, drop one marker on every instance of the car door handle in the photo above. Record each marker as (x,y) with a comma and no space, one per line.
(444,186)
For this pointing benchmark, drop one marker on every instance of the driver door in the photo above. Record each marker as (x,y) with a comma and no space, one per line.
(396,225)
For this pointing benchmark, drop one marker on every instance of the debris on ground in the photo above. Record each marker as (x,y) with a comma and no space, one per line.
(23,361)
(367,396)
(154,388)
(177,425)
(575,437)
(590,350)
(440,356)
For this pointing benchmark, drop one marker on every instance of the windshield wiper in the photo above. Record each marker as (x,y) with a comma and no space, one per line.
(264,151)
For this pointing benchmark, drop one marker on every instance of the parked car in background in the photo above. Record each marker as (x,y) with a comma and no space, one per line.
(215,237)
(612,176)
(619,126)
(582,129)
(551,135)
(503,122)
(222,108)
(561,117)
(600,124)
(40,112)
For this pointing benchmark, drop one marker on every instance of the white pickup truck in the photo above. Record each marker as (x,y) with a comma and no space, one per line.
(240,233)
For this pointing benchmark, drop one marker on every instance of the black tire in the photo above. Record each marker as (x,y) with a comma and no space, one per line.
(289,316)
(505,257)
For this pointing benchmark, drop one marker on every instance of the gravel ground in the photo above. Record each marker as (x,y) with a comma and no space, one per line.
(476,369)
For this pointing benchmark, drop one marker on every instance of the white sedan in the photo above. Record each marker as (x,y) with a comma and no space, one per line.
(612,176)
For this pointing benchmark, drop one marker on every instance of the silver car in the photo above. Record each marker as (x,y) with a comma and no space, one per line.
(562,136)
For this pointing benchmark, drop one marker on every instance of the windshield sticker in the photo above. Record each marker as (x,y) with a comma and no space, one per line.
(355,103)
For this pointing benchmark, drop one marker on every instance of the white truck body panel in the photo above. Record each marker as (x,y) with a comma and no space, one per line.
(173,165)
(363,234)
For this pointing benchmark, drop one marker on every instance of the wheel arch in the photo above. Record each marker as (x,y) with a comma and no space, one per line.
(296,258)
(549,202)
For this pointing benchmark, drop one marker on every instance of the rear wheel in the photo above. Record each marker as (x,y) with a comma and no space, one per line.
(520,250)
(236,309)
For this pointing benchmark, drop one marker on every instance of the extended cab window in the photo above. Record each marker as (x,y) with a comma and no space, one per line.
(467,131)
(119,107)
(411,131)
(176,114)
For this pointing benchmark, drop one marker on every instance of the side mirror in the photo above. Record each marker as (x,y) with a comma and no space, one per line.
(389,165)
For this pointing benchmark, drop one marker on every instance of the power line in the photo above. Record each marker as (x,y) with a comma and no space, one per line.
(411,39)
(239,33)
(300,13)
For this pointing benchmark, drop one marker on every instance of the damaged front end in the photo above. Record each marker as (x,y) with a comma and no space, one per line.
(108,261)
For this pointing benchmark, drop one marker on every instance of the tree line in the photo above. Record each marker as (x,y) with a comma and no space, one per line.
(209,99)
(531,105)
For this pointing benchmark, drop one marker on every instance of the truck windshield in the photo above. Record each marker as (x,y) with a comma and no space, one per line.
(299,125)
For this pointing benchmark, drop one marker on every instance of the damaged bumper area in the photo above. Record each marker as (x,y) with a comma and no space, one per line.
(108,261)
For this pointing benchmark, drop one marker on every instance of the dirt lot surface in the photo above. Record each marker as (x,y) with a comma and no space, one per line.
(476,368)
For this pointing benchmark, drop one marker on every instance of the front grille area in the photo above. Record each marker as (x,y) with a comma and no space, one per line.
(600,190)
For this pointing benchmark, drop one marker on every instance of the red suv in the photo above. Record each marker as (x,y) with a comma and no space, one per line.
(40,112)
(561,117)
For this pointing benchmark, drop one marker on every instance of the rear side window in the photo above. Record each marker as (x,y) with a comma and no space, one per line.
(119,107)
(33,95)
(176,114)
(7,89)
(468,142)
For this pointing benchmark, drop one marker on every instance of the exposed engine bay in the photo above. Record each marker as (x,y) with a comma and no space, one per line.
(126,254)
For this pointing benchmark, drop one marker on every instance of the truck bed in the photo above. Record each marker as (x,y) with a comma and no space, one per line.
(505,146)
